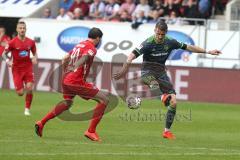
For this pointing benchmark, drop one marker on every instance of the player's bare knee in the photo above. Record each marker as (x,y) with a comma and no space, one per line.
(29,88)
(20,93)
(173,101)
(174,104)
(104,100)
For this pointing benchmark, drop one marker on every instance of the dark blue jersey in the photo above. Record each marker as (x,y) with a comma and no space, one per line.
(157,52)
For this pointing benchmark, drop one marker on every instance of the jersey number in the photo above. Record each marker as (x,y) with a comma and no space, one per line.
(74,56)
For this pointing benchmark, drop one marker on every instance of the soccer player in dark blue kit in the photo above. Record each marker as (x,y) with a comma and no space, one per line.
(156,50)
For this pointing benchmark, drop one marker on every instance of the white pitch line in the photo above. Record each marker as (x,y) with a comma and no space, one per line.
(120,154)
(123,145)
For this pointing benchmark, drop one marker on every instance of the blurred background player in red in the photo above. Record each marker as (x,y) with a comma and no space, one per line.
(21,63)
(3,39)
(77,65)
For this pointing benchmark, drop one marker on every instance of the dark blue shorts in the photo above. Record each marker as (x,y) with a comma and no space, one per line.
(164,83)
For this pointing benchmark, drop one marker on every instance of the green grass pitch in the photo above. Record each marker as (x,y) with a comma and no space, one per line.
(203,131)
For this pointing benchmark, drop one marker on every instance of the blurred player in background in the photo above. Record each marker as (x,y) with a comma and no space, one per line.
(21,63)
(156,50)
(77,65)
(3,39)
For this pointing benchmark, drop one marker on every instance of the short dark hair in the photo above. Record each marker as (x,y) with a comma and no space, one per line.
(21,22)
(162,25)
(94,33)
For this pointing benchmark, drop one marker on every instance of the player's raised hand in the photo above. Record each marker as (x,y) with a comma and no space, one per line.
(214,52)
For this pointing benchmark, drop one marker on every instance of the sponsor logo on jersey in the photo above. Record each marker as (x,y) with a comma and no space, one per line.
(159,54)
(23,54)
(180,37)
(70,37)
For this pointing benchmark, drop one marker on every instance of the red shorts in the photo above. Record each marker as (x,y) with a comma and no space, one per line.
(21,77)
(85,90)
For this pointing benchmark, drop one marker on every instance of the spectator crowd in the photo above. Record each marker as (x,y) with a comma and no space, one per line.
(136,11)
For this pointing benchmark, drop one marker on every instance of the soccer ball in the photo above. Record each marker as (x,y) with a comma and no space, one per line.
(133,101)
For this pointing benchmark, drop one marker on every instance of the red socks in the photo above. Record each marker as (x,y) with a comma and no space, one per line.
(28,100)
(60,107)
(97,116)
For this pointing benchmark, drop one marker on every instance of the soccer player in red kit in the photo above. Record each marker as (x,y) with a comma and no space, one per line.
(3,39)
(21,63)
(76,65)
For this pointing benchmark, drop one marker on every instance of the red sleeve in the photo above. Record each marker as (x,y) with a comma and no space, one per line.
(89,51)
(71,9)
(9,46)
(6,38)
(34,49)
(85,9)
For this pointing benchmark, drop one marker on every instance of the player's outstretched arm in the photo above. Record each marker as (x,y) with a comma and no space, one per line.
(125,67)
(197,49)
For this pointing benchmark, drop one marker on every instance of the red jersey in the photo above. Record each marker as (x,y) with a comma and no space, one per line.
(4,40)
(21,52)
(78,76)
